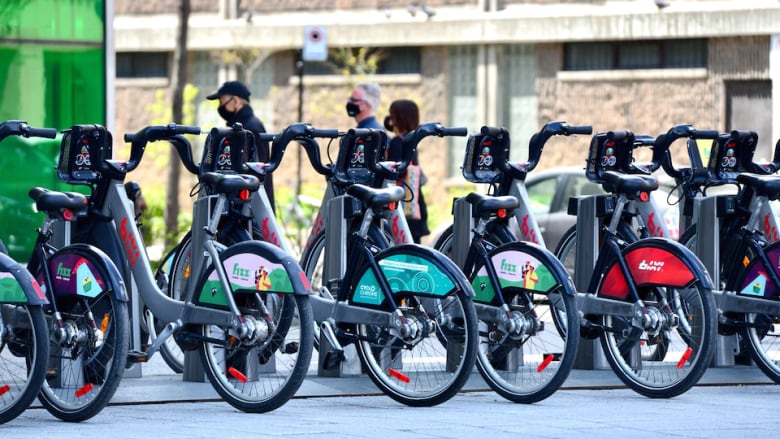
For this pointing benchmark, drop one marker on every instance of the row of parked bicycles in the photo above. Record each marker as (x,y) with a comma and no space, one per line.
(418,319)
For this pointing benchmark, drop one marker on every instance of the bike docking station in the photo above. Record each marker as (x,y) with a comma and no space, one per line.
(590,355)
(334,360)
(707,219)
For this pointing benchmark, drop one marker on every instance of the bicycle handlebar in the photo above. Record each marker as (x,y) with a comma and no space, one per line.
(21,128)
(409,147)
(664,141)
(153,133)
(536,145)
(306,136)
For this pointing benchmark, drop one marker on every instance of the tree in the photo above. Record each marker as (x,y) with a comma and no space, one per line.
(178,81)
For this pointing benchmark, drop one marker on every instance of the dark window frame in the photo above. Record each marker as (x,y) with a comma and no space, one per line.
(143,64)
(669,54)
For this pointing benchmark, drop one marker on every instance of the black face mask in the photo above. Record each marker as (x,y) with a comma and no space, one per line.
(225,114)
(388,124)
(352,109)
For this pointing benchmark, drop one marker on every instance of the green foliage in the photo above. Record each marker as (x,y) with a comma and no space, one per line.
(354,61)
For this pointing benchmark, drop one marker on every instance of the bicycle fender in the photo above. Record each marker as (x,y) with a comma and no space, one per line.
(523,265)
(255,266)
(17,285)
(654,262)
(411,268)
(755,281)
(74,272)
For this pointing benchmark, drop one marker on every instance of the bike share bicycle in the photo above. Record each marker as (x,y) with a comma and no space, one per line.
(737,235)
(662,340)
(407,309)
(24,337)
(525,299)
(250,353)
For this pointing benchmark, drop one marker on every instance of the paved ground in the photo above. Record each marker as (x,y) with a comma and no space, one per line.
(729,402)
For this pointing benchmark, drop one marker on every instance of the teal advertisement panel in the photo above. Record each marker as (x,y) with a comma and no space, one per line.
(404,273)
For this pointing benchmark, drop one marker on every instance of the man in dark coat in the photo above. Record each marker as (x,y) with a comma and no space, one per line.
(234,107)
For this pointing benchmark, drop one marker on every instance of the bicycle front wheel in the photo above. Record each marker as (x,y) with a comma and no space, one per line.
(260,372)
(427,358)
(88,353)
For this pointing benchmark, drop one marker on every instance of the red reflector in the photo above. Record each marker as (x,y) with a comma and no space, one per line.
(4,389)
(67,215)
(84,390)
(237,375)
(547,360)
(684,358)
(400,376)
(501,213)
(244,194)
(644,196)
(391,206)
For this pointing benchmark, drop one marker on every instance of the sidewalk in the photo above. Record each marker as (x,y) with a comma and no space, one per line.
(159,384)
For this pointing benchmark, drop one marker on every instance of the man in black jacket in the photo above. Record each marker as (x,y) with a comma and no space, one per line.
(234,107)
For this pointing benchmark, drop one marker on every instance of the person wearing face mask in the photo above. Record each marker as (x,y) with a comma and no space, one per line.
(404,117)
(362,105)
(234,107)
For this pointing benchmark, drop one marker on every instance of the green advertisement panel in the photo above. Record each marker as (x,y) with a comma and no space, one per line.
(52,75)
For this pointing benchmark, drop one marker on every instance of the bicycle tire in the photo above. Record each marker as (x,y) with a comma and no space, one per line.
(690,343)
(281,359)
(419,370)
(312,262)
(83,374)
(24,344)
(525,368)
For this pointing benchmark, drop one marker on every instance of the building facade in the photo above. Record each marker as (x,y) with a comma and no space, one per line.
(642,65)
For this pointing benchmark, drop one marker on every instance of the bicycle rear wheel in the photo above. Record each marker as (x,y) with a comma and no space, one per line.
(87,356)
(683,318)
(263,372)
(530,363)
(428,360)
(23,342)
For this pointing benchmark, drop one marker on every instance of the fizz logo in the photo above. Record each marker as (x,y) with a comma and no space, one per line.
(656,266)
(240,272)
(506,267)
(63,271)
(528,232)
(131,246)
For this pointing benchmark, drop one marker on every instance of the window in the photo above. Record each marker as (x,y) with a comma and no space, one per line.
(142,65)
(651,54)
(389,61)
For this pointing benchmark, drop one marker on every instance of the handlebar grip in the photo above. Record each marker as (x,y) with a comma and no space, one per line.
(188,129)
(326,133)
(48,133)
(454,131)
(580,129)
(129,137)
(706,134)
(266,137)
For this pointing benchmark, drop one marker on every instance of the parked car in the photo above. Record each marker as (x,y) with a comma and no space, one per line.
(549,191)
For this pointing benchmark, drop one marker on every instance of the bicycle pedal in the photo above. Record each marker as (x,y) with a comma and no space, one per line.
(52,374)
(134,357)
(291,348)
(332,359)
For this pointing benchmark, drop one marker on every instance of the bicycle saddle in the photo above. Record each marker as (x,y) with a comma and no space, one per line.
(229,183)
(487,203)
(54,203)
(376,197)
(630,185)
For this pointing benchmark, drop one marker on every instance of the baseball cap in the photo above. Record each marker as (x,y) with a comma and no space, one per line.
(234,88)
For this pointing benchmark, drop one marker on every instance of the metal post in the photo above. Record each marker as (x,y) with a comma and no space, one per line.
(705,213)
(589,352)
(334,266)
